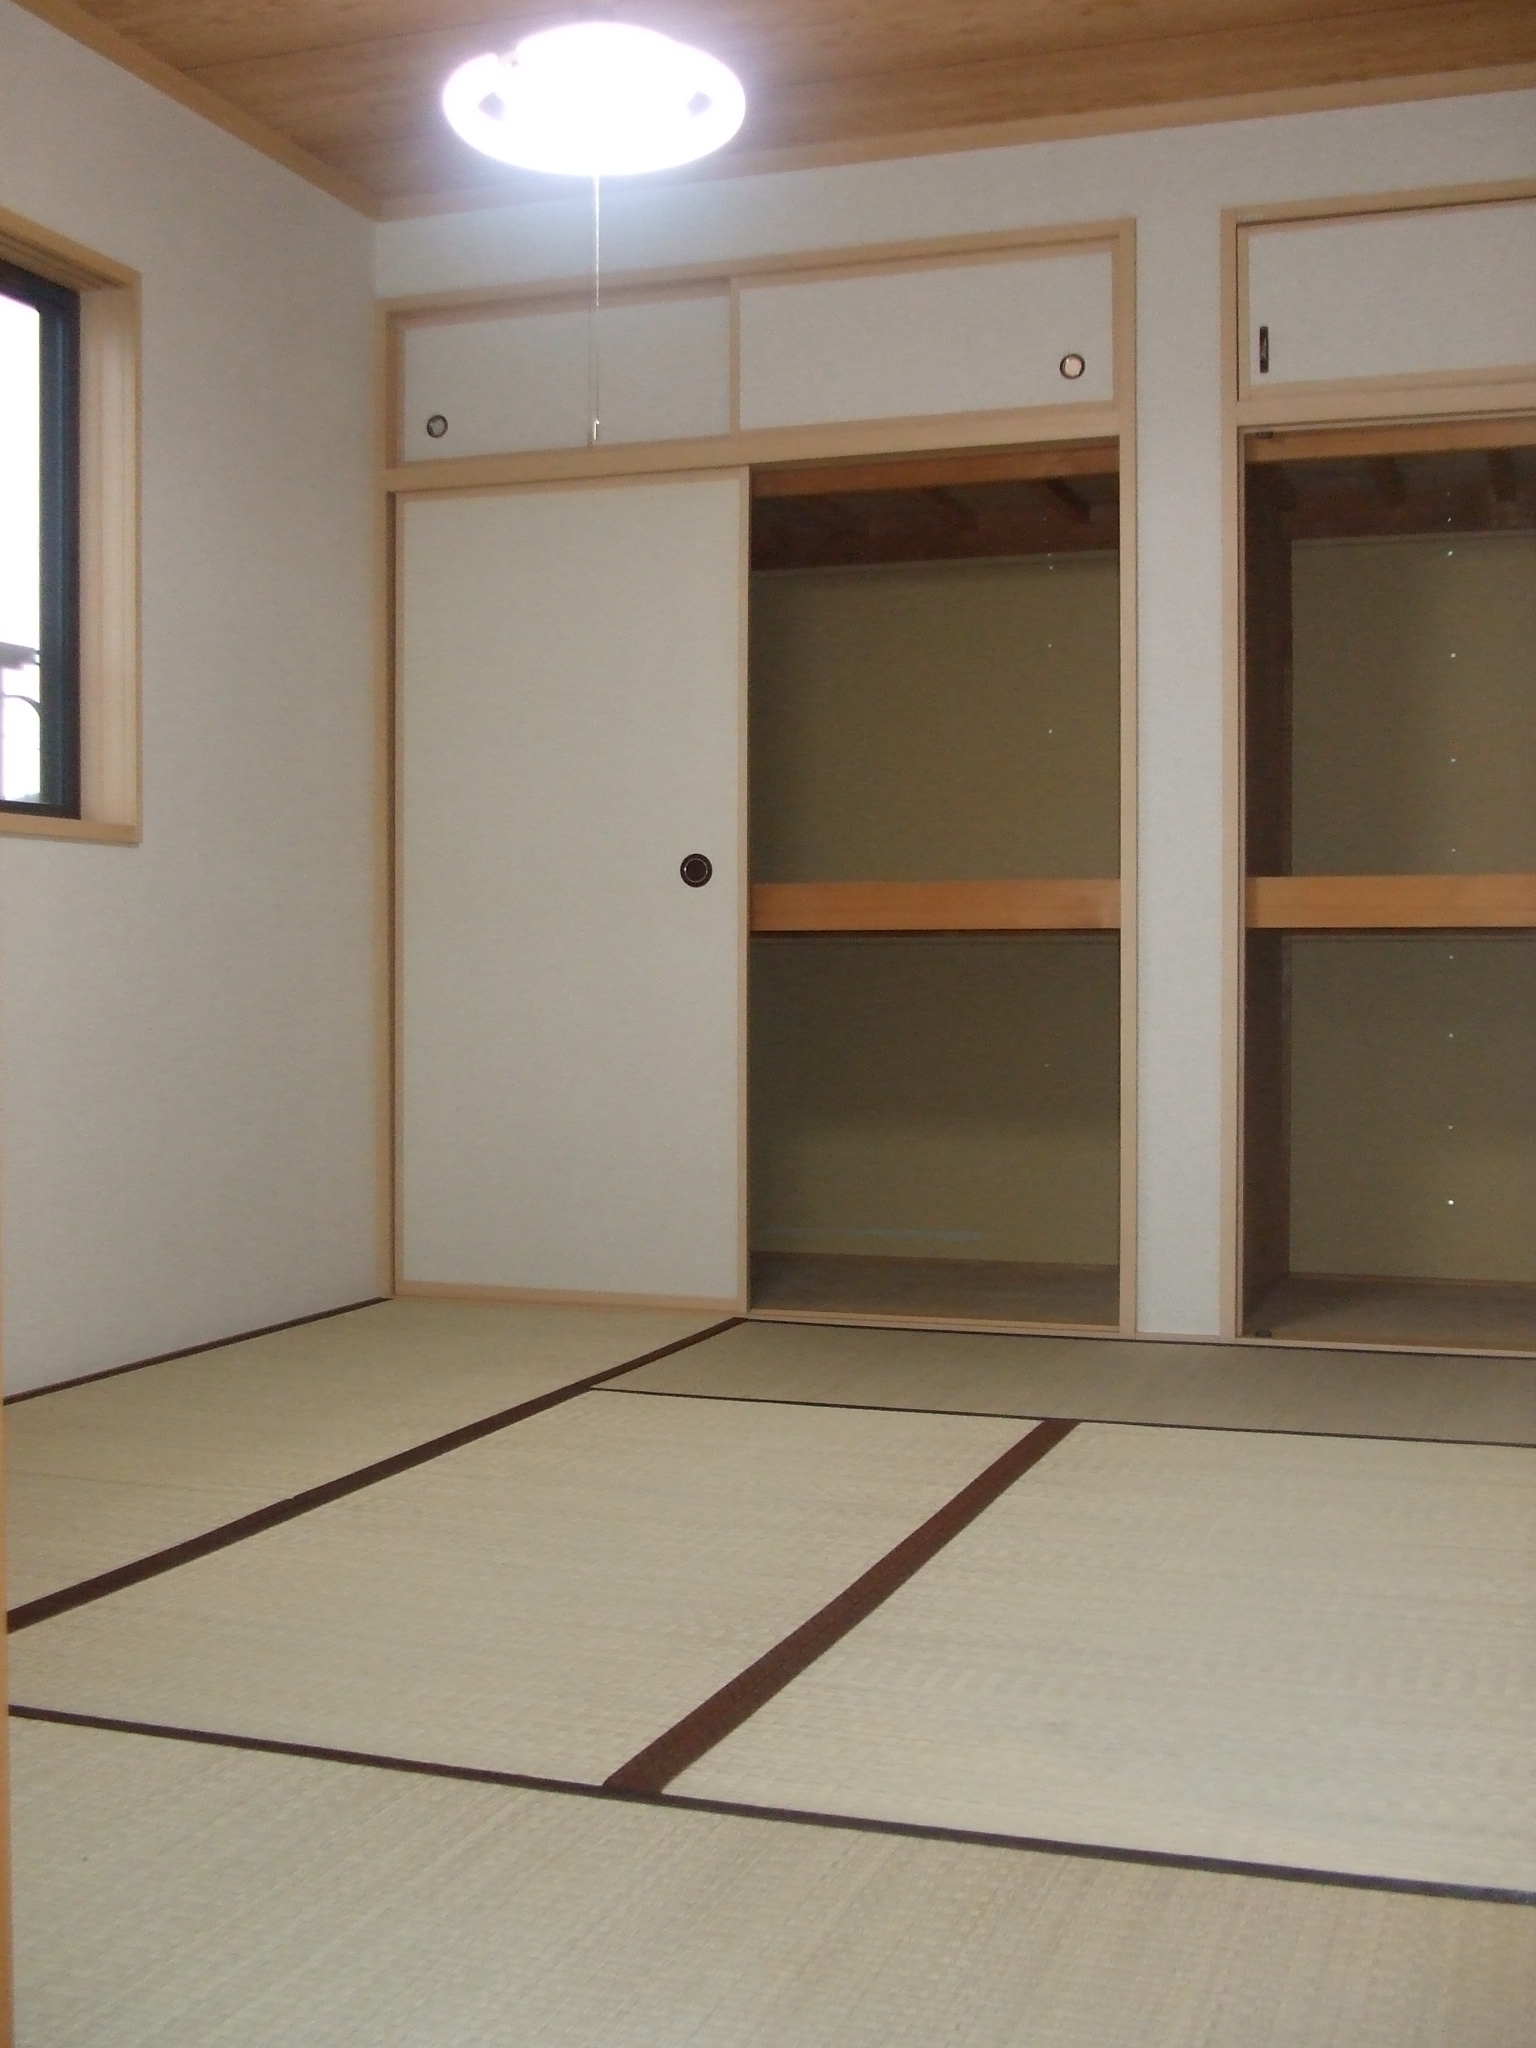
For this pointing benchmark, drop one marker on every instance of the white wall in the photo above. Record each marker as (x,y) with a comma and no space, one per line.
(1175,182)
(186,1049)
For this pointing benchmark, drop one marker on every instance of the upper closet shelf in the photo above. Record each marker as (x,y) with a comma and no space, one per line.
(978,342)
(898,343)
(1041,905)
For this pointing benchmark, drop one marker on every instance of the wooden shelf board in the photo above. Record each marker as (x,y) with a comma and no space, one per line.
(1053,905)
(1391,902)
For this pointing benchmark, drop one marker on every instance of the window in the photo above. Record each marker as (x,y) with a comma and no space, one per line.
(39,544)
(69,539)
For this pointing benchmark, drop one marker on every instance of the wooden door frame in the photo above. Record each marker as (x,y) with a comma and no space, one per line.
(1478,400)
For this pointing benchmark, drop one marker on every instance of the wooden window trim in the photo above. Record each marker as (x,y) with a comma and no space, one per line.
(110,772)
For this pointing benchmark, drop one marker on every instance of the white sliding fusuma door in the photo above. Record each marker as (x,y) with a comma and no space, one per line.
(571,730)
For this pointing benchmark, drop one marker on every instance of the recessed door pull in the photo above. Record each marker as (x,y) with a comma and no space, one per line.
(696,870)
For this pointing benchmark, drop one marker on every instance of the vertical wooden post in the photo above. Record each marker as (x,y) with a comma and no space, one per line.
(1267,737)
(7,2016)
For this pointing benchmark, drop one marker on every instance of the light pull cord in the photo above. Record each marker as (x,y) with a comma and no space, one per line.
(594,360)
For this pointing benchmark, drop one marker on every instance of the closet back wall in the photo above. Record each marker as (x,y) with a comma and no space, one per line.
(187,1026)
(1414,708)
(945,721)
(930,1098)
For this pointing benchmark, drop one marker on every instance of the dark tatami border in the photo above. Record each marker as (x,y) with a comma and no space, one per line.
(654,1767)
(1343,1436)
(519,1781)
(49,1605)
(112,1372)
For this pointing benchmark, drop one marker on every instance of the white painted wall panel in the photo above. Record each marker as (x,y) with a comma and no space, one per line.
(571,728)
(958,337)
(187,1027)
(1394,295)
(523,381)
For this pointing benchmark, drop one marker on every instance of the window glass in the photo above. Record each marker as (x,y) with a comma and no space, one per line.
(20,551)
(39,543)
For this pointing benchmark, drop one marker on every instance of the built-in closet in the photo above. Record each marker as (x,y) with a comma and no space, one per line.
(758,767)
(935,745)
(1389,1130)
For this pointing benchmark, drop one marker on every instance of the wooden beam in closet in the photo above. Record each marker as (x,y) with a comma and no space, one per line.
(1390,481)
(1427,437)
(943,472)
(1049,904)
(964,518)
(1302,903)
(1503,476)
(1073,503)
(935,523)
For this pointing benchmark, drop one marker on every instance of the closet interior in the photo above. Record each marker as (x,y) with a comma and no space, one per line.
(1389,1127)
(935,749)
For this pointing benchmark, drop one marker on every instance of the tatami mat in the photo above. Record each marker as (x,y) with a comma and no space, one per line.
(1301,1651)
(1211,1385)
(547,1600)
(99,1474)
(179,1897)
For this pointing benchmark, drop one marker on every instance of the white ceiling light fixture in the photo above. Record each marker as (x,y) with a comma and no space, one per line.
(596,99)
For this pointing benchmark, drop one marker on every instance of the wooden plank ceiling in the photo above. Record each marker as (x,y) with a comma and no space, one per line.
(354,83)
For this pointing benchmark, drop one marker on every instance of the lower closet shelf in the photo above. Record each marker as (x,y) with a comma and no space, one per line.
(1347,1308)
(971,1290)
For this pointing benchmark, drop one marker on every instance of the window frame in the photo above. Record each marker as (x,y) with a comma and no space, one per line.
(106,799)
(58,701)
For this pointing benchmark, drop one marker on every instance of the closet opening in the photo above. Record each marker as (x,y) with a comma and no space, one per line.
(1389,1124)
(934,676)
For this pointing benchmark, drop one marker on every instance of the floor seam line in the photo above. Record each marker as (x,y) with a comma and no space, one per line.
(654,1767)
(578,1788)
(1343,1436)
(48,1606)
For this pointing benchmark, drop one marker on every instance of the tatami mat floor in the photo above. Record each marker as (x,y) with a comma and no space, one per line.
(545,1601)
(103,1472)
(1270,1649)
(1256,1610)
(241,1901)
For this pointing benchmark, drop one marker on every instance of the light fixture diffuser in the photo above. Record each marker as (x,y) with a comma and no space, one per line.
(597,99)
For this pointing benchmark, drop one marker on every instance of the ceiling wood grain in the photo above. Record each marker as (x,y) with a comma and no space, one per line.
(353,84)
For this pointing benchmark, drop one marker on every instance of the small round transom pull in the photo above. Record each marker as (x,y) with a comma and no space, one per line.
(1072,366)
(437,426)
(696,870)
